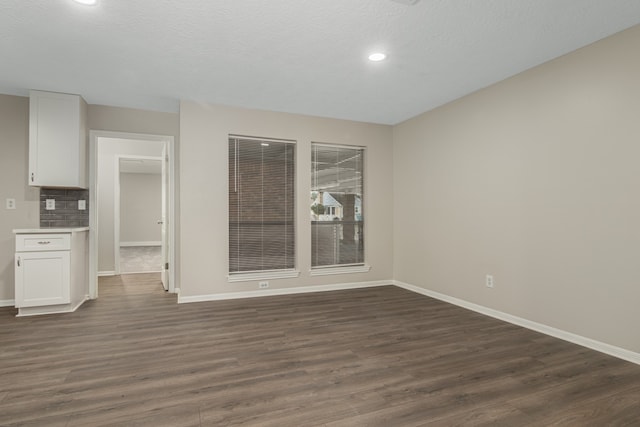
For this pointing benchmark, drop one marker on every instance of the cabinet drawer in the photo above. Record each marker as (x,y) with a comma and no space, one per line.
(43,242)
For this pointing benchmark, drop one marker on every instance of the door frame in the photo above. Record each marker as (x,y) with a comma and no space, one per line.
(116,203)
(94,140)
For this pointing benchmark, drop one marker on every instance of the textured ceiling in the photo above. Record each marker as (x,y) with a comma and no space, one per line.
(301,56)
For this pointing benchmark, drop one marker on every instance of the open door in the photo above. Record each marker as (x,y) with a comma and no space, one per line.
(164,220)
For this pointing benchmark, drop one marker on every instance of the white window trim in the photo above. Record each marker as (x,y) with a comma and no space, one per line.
(259,139)
(260,275)
(325,271)
(353,147)
(340,269)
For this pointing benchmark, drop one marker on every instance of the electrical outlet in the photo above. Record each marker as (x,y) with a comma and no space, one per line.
(82,205)
(489,281)
(50,204)
(263,285)
(11,203)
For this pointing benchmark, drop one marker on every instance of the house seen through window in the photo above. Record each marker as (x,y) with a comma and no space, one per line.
(336,203)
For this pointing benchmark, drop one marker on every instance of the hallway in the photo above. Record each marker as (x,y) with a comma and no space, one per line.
(140,259)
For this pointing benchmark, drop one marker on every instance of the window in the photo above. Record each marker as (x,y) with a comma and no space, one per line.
(337,221)
(261,205)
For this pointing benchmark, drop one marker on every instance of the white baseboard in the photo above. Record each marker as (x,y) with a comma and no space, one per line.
(50,309)
(151,243)
(140,272)
(7,303)
(106,273)
(282,291)
(609,349)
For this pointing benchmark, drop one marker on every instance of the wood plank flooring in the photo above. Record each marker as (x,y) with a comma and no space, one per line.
(368,357)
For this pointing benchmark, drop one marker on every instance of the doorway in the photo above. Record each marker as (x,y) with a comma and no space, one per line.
(139,215)
(106,151)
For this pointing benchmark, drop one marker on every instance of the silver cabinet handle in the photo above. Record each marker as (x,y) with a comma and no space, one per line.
(18,261)
(32,177)
(44,242)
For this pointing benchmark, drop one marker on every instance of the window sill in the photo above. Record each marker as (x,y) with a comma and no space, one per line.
(325,271)
(260,275)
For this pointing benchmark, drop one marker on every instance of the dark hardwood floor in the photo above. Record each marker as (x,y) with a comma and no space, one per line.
(369,357)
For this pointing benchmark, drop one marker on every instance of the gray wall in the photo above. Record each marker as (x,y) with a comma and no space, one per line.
(101,117)
(204,177)
(140,207)
(14,167)
(535,180)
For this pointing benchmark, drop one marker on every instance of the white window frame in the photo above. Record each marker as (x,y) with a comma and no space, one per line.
(344,268)
(247,276)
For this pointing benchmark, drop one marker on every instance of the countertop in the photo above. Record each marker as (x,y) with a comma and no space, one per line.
(49,230)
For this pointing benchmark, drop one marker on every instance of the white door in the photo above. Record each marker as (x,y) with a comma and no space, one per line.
(164,220)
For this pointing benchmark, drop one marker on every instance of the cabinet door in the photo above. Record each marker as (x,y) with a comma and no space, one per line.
(56,141)
(42,278)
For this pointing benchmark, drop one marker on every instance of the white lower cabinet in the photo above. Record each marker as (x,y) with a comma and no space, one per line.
(42,278)
(50,271)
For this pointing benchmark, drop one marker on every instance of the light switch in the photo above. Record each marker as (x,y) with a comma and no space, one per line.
(50,204)
(82,205)
(11,203)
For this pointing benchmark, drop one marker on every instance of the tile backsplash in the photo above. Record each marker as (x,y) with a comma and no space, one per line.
(66,213)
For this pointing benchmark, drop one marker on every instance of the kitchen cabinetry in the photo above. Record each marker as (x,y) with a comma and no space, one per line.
(50,270)
(42,278)
(57,140)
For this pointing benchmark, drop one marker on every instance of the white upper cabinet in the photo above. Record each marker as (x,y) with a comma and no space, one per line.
(57,140)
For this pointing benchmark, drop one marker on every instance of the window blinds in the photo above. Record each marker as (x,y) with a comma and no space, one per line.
(337,216)
(261,205)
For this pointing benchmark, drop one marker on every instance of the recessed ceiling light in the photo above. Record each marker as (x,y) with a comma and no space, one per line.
(378,56)
(87,2)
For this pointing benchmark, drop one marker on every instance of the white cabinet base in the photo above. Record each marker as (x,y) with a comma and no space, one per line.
(50,309)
